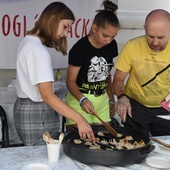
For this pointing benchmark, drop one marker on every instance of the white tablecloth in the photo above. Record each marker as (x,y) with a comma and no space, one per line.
(16,158)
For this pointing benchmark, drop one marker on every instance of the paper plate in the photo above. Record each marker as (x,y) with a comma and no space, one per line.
(158,162)
(36,166)
(167,117)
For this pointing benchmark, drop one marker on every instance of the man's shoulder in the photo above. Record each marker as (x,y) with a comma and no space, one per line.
(141,38)
(137,41)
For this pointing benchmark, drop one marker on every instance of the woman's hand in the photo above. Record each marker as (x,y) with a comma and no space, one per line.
(123,107)
(85,130)
(88,107)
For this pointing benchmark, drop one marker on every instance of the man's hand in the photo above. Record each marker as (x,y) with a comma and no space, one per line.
(123,107)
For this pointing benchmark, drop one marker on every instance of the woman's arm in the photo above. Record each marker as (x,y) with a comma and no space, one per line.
(111,96)
(72,74)
(46,91)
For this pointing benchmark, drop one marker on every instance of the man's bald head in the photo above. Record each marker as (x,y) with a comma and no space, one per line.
(157,29)
(157,15)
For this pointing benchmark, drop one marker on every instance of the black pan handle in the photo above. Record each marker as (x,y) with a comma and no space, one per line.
(147,150)
(74,129)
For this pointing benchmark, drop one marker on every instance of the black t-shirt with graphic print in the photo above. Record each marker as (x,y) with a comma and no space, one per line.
(95,64)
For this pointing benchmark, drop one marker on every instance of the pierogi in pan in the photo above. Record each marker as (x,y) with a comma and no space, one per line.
(103,142)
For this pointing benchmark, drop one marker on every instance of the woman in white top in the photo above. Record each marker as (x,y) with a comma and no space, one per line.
(36,108)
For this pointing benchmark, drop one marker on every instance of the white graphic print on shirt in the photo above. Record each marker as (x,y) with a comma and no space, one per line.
(98,69)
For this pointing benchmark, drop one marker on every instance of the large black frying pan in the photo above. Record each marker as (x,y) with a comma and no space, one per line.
(106,157)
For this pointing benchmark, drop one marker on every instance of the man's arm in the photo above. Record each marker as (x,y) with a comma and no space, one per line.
(123,107)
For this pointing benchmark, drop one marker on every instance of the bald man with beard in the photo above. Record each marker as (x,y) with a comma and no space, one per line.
(145,63)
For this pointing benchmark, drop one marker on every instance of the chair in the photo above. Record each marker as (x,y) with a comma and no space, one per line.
(4,122)
(5,133)
(63,124)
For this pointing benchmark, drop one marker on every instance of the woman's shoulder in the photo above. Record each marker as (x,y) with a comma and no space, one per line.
(31,40)
(34,44)
(82,40)
(81,43)
(113,43)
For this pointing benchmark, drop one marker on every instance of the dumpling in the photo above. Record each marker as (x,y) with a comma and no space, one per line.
(77,141)
(95,147)
(88,143)
(129,137)
(100,134)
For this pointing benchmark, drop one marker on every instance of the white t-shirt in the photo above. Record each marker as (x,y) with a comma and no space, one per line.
(33,67)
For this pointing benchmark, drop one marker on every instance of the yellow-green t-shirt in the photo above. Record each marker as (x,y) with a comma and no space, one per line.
(149,71)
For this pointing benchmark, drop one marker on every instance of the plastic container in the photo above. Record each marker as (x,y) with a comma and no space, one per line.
(58,75)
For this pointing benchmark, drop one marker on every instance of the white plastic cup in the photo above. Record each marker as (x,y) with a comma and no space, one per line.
(53,151)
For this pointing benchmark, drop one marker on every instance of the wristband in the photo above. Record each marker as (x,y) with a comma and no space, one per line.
(82,99)
(112,102)
(121,95)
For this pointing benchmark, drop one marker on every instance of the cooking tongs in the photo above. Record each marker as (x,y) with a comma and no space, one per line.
(108,127)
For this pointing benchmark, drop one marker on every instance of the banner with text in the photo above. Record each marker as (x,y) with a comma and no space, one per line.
(19,16)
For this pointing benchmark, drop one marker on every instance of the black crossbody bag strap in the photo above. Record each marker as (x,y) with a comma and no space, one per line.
(152,79)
